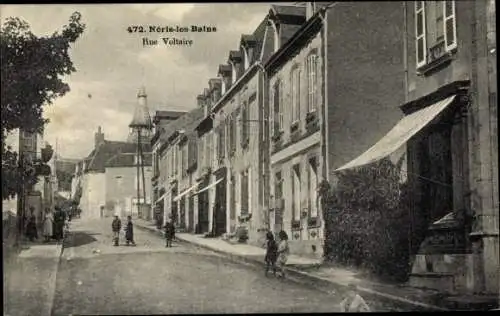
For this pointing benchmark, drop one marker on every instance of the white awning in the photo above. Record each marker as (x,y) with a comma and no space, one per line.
(209,186)
(178,197)
(407,127)
(162,196)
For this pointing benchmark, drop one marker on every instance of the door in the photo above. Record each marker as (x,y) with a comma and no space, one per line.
(191,215)
(203,212)
(220,211)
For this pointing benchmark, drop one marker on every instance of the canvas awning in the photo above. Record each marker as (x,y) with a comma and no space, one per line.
(407,127)
(178,197)
(209,186)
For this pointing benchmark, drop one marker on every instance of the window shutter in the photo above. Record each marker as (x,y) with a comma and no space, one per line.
(277,108)
(280,105)
(297,94)
(450,26)
(420,34)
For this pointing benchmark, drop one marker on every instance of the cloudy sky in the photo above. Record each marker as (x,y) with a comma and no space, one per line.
(112,63)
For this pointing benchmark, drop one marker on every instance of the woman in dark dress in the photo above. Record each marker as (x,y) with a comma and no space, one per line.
(271,253)
(129,232)
(31,230)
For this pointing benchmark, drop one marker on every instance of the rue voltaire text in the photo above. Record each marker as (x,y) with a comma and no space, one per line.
(169,41)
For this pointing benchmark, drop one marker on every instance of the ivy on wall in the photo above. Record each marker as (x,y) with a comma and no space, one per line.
(367,219)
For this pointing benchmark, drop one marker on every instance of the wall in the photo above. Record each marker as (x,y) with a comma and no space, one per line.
(243,158)
(365,76)
(289,151)
(118,190)
(473,60)
(93,194)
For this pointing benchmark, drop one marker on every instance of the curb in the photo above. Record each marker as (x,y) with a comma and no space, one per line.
(323,284)
(317,282)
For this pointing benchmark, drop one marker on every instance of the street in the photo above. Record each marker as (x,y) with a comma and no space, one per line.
(95,277)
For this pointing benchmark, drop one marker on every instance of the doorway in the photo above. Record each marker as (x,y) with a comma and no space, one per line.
(220,209)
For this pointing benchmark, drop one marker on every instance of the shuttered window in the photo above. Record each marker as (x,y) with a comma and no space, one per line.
(312,81)
(244,193)
(295,94)
(450,26)
(277,108)
(420,33)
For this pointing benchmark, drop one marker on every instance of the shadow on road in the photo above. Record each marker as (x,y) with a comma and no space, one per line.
(79,238)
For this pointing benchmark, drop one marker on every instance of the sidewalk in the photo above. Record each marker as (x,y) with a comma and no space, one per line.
(312,272)
(30,272)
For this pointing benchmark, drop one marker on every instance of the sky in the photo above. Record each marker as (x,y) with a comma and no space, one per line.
(112,64)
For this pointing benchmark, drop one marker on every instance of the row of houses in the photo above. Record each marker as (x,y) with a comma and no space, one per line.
(318,88)
(328,86)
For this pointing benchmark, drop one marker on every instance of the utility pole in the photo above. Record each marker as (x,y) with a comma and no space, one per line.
(141,122)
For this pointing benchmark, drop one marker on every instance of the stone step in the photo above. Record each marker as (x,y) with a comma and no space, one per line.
(433,280)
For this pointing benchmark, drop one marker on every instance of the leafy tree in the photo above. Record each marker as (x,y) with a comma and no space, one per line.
(32,70)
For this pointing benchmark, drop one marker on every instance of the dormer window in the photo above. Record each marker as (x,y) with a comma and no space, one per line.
(234,74)
(223,85)
(276,36)
(246,60)
(310,9)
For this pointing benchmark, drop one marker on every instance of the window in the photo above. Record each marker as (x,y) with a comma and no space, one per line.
(296,192)
(312,81)
(232,135)
(435,30)
(221,147)
(246,57)
(185,158)
(192,152)
(244,193)
(156,162)
(232,211)
(278,108)
(450,25)
(275,27)
(180,159)
(278,185)
(310,9)
(234,74)
(313,185)
(295,93)
(244,124)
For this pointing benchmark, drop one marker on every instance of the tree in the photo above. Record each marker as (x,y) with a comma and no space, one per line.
(32,70)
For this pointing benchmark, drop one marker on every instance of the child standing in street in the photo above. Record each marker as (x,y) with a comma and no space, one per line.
(169,232)
(116,225)
(271,253)
(129,231)
(353,303)
(283,252)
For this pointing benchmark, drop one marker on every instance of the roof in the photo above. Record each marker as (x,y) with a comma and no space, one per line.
(223,69)
(127,160)
(108,149)
(288,10)
(66,166)
(159,115)
(187,122)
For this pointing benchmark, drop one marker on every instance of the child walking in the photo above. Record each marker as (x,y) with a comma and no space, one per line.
(116,225)
(271,253)
(129,231)
(353,303)
(283,252)
(169,232)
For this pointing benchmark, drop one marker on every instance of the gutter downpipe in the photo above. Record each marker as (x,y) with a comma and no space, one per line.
(324,139)
(405,65)
(265,163)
